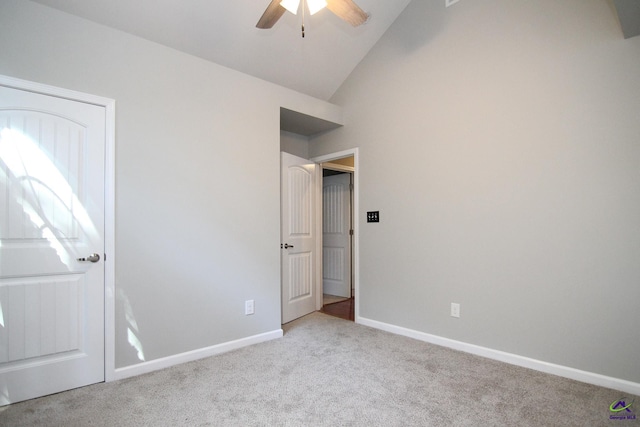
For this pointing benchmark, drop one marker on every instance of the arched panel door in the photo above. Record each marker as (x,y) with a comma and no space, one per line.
(52,176)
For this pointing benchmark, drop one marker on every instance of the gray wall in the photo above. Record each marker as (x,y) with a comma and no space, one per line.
(499,140)
(197,177)
(295,144)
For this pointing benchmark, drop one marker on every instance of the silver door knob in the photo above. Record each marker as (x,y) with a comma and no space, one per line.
(91,258)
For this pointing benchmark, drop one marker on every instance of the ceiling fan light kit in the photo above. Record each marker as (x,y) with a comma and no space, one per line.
(316,5)
(313,5)
(346,10)
(291,5)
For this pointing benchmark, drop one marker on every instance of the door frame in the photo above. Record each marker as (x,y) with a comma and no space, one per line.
(109,201)
(356,222)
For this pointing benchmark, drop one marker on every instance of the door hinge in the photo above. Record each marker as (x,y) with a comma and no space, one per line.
(351,187)
(351,232)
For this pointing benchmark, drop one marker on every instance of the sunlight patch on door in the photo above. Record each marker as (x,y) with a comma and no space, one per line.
(43,194)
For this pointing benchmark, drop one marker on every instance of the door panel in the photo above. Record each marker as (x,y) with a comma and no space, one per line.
(300,276)
(50,325)
(336,237)
(298,237)
(51,213)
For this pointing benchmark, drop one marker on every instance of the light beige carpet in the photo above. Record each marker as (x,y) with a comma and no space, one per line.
(330,372)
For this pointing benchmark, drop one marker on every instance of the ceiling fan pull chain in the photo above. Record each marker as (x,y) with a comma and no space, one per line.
(304,3)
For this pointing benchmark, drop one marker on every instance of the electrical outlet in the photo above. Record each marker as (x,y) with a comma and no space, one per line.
(248,307)
(455,309)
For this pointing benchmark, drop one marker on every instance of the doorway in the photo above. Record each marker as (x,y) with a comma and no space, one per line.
(338,232)
(314,291)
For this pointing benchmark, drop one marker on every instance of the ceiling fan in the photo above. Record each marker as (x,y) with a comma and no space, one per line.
(346,10)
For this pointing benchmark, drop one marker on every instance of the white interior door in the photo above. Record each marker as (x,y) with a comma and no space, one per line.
(52,176)
(336,235)
(298,231)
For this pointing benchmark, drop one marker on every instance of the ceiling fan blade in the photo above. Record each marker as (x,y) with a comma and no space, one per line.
(271,15)
(348,11)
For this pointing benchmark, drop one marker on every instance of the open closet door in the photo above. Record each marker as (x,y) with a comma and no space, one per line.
(299,237)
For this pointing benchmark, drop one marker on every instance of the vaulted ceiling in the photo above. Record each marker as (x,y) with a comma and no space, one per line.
(224,32)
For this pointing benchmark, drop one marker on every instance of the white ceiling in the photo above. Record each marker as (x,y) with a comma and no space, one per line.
(224,32)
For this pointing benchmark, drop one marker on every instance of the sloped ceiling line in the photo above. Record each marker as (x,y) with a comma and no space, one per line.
(225,32)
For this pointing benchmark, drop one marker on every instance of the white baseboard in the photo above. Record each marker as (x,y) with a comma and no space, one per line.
(189,356)
(513,359)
